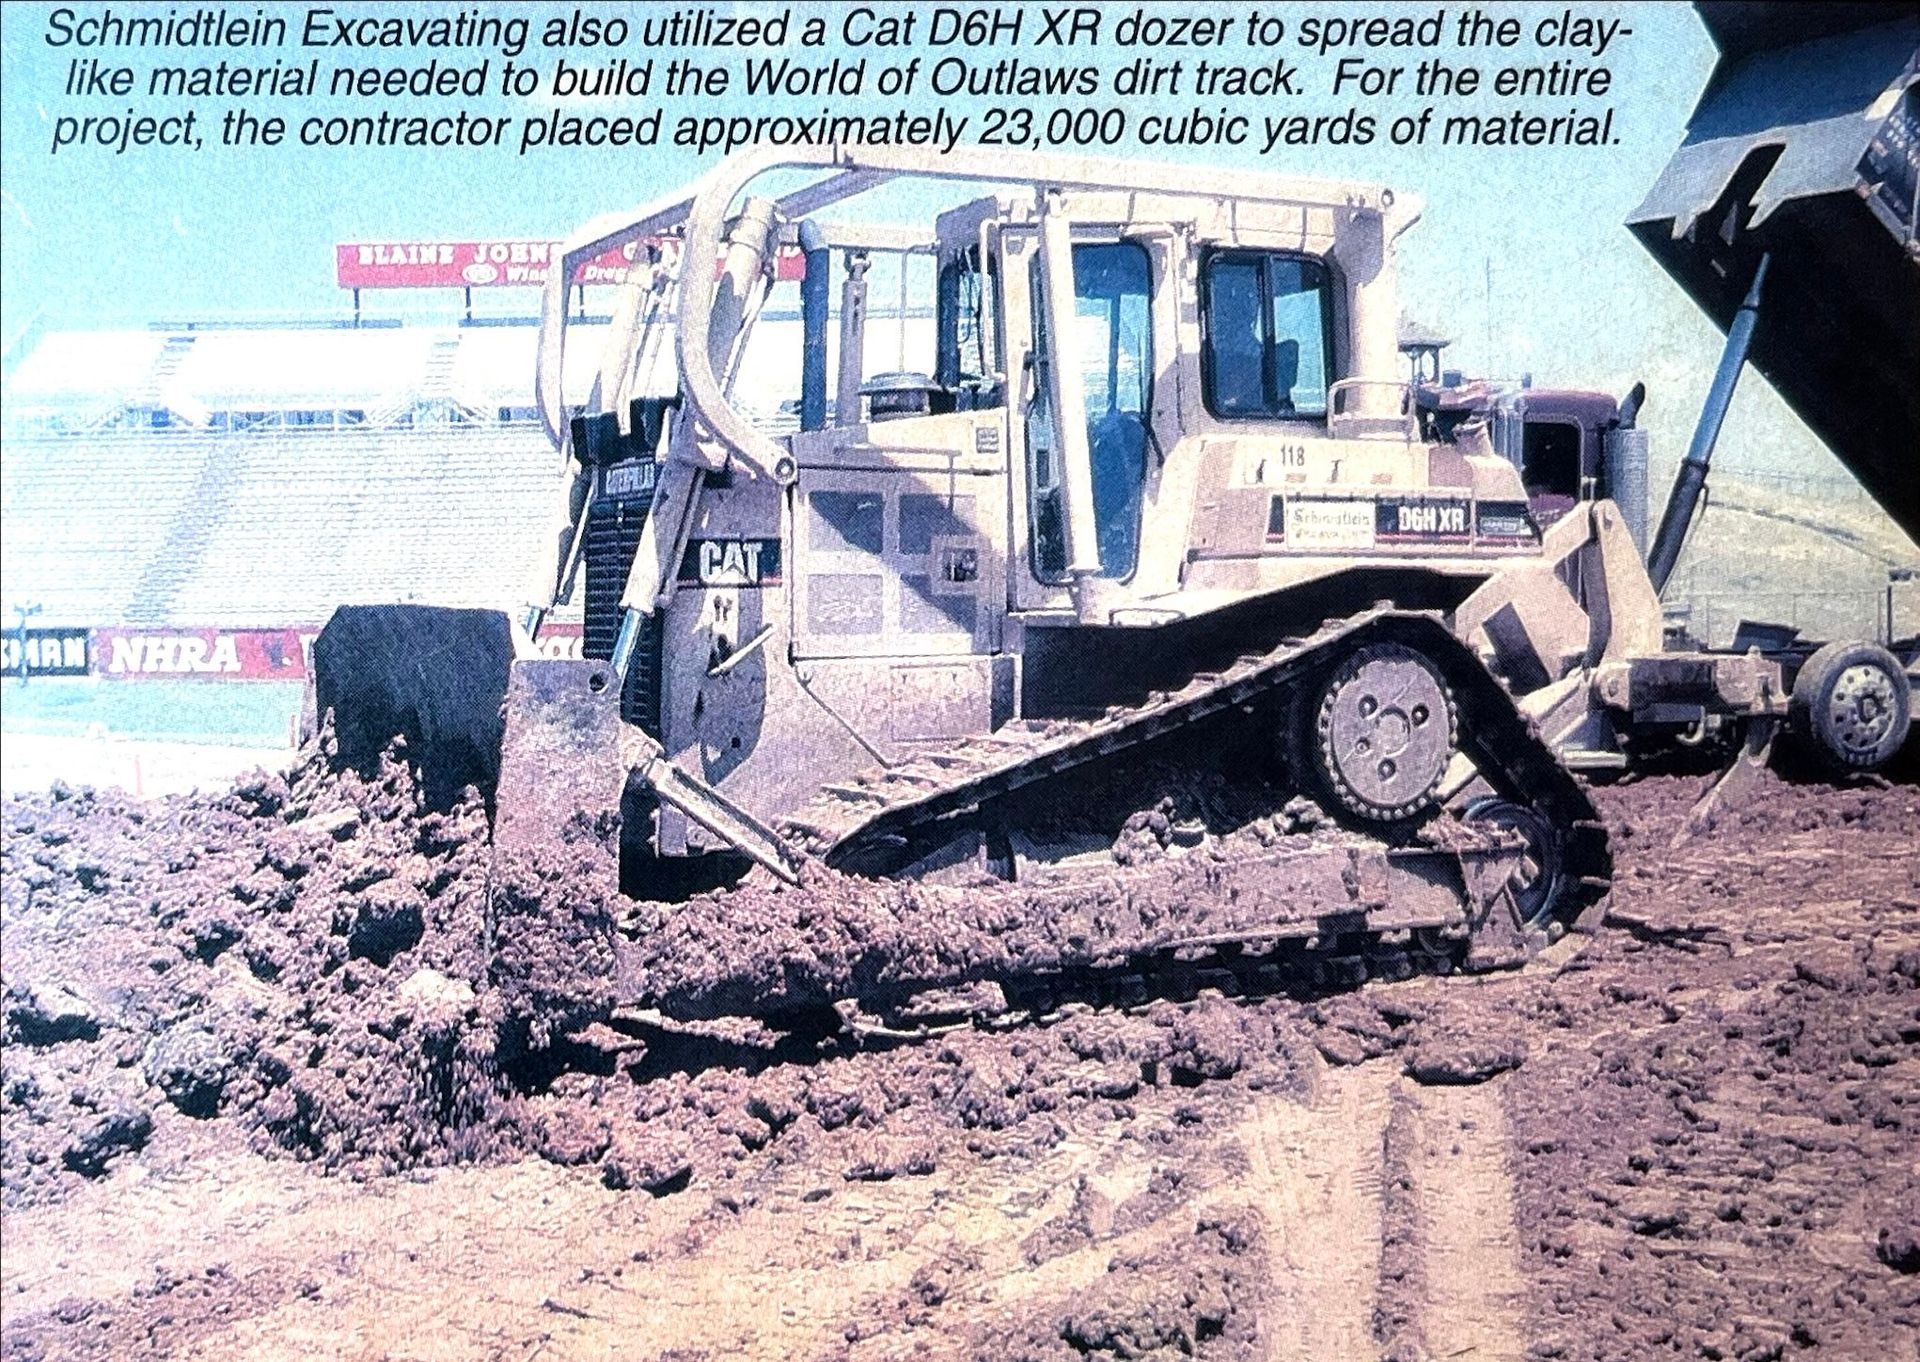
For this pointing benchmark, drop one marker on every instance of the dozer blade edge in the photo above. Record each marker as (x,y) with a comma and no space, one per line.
(532,735)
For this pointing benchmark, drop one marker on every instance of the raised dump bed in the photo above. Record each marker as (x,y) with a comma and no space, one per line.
(1803,148)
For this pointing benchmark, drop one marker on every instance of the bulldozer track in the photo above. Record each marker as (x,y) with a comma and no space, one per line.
(1300,966)
(1296,966)
(1304,916)
(1279,912)
(882,806)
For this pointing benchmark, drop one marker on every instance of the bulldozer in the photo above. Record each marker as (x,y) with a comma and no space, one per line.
(1168,499)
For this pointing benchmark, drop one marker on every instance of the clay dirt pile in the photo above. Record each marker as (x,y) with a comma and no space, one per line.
(306,960)
(315,960)
(1694,1136)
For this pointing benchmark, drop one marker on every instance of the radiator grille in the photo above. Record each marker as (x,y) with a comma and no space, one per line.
(612,534)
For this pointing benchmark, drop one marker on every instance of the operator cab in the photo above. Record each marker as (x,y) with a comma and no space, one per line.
(1551,466)
(1112,295)
(987,250)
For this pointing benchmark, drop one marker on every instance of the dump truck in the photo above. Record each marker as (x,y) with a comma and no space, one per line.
(1167,501)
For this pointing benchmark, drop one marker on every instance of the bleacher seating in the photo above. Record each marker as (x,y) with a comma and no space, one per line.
(451,516)
(86,515)
(271,527)
(260,476)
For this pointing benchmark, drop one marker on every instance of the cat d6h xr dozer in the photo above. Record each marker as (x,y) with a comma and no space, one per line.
(1165,547)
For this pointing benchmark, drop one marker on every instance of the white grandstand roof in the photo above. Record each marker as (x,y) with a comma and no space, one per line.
(494,365)
(85,366)
(385,368)
(305,369)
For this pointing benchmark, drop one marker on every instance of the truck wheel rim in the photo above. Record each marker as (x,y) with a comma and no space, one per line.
(1862,707)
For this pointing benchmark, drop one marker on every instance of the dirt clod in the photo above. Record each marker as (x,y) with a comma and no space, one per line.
(1692,1138)
(47,1014)
(121,1129)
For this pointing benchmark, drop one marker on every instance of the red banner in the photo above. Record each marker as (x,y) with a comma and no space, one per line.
(560,640)
(239,654)
(202,654)
(494,264)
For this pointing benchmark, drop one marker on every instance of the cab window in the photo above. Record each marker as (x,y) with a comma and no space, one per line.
(1550,459)
(1268,347)
(1550,467)
(969,360)
(1113,345)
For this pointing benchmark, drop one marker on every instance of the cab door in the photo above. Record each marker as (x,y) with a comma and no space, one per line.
(1082,406)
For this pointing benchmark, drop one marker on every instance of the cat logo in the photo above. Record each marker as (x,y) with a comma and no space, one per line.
(630,479)
(731,563)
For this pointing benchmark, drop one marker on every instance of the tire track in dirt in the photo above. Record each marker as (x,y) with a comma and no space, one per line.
(1315,1180)
(1474,1298)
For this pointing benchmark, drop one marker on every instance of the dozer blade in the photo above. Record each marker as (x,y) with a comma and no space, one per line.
(566,762)
(540,739)
(561,773)
(433,676)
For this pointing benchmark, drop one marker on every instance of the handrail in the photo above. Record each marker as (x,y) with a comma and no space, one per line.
(1361,424)
(702,210)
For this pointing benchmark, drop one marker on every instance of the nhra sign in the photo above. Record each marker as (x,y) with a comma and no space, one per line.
(44,652)
(497,264)
(202,654)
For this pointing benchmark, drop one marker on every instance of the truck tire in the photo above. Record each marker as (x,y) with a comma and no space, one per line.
(1851,706)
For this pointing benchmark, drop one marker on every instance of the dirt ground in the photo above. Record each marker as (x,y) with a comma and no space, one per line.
(272,1086)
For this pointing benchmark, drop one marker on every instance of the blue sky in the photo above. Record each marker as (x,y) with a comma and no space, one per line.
(154,235)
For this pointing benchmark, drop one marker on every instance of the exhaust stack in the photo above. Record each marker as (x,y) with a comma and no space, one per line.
(1625,453)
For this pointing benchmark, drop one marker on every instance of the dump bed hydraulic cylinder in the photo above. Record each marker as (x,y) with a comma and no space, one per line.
(1691,480)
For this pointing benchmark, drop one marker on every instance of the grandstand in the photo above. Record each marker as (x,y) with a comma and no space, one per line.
(199,496)
(254,476)
(258,477)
